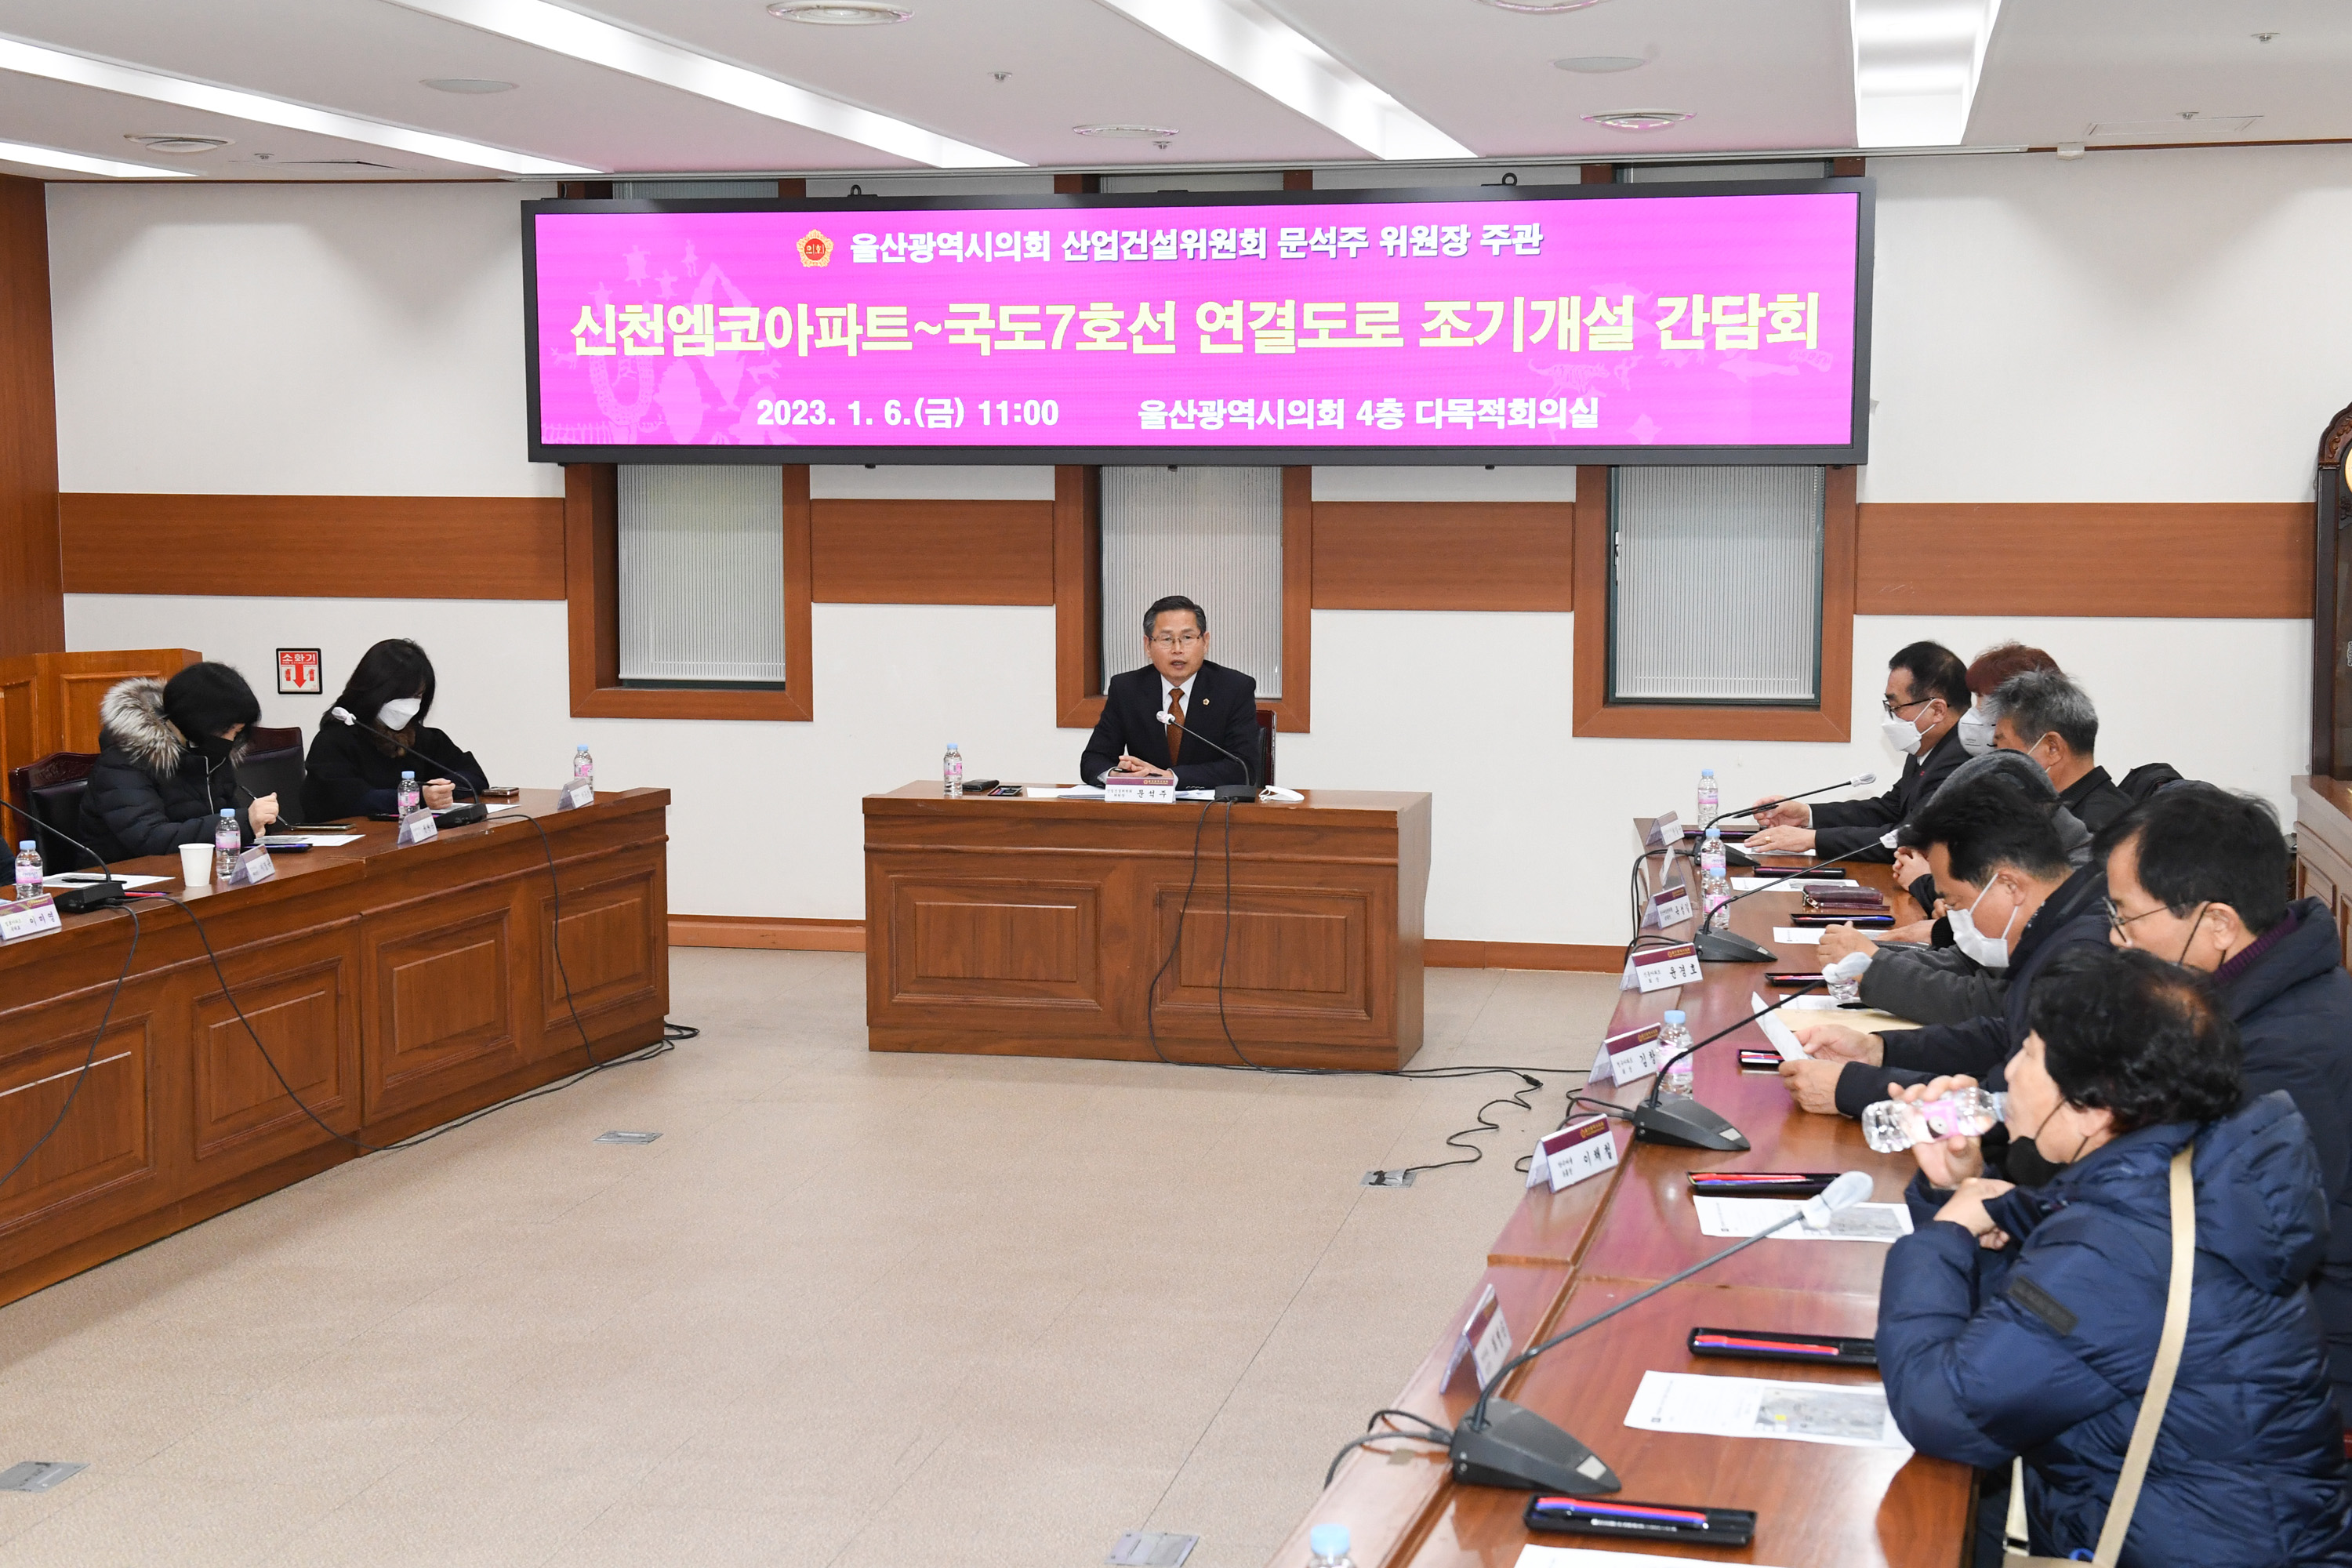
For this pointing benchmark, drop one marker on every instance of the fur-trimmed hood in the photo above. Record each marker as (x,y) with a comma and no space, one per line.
(132,715)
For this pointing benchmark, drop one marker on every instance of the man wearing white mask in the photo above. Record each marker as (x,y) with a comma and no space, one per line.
(353,771)
(2016,903)
(1926,692)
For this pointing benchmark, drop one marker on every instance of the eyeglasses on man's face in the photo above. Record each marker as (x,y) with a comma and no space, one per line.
(1176,640)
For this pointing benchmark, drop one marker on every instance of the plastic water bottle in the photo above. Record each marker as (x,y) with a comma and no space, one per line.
(227,846)
(1714,884)
(951,772)
(1892,1126)
(28,870)
(1710,799)
(1327,1547)
(1675,1038)
(583,766)
(407,797)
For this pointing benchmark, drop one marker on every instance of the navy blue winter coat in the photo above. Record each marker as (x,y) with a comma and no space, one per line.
(2293,1012)
(2044,1348)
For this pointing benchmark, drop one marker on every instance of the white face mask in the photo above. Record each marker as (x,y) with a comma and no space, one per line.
(398,715)
(1901,733)
(1993,951)
(1976,732)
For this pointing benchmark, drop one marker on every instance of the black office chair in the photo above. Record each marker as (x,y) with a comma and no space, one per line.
(1265,747)
(2146,779)
(50,791)
(272,764)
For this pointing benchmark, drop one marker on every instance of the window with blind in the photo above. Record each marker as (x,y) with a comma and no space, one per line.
(1213,535)
(1714,587)
(701,576)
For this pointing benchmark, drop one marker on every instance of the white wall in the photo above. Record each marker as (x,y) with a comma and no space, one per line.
(2128,327)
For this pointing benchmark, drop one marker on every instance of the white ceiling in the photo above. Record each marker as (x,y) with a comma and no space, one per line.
(1755,75)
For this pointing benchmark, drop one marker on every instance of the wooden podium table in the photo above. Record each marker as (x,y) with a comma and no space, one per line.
(1562,1257)
(395,988)
(1038,927)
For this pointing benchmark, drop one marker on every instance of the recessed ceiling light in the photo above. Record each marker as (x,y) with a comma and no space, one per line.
(185,145)
(1129,132)
(82,163)
(1539,7)
(467,84)
(1639,120)
(57,65)
(1244,39)
(580,36)
(1595,64)
(838,13)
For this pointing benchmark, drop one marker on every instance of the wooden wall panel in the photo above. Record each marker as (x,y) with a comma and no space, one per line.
(931,551)
(1445,555)
(32,603)
(336,547)
(2237,560)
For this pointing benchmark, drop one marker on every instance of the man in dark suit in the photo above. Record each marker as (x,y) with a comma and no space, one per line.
(1212,702)
(1926,692)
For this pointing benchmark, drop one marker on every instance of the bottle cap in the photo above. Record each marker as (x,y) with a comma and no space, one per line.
(1327,1541)
(1713,832)
(228,811)
(1676,1015)
(1706,772)
(408,775)
(25,844)
(951,745)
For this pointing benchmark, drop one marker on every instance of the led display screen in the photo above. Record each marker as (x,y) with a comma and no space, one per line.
(1673,323)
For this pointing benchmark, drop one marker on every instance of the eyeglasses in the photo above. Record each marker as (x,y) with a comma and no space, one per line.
(1893,707)
(2118,923)
(1186,639)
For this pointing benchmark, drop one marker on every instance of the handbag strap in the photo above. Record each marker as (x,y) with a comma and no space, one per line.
(2167,1364)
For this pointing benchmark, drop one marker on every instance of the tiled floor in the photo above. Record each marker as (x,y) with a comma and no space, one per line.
(869,1311)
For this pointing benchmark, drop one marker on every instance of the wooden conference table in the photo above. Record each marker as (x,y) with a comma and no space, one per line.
(396,988)
(1563,1256)
(1039,926)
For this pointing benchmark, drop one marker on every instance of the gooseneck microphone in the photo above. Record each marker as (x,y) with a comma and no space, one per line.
(1500,1444)
(1717,945)
(1783,800)
(1242,791)
(1685,1121)
(99,895)
(457,816)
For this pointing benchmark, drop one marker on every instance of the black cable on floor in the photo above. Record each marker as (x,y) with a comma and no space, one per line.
(90,1058)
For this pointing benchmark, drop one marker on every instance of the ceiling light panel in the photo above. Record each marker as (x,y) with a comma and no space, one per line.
(1068,62)
(583,38)
(1762,78)
(105,76)
(1261,48)
(51,160)
(2056,71)
(1915,67)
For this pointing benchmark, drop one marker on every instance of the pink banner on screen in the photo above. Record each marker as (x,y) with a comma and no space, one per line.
(1720,321)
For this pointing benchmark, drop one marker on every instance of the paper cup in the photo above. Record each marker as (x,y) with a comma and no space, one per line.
(197,864)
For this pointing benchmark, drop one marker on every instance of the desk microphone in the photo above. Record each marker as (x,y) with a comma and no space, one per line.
(1242,791)
(457,816)
(99,895)
(1717,945)
(1500,1443)
(1685,1121)
(1770,805)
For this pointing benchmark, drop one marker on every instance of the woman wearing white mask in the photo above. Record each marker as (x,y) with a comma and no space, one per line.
(2016,904)
(354,770)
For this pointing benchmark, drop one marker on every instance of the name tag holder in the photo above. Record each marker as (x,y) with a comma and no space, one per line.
(251,867)
(1481,1348)
(418,826)
(1660,968)
(1665,832)
(577,795)
(1160,792)
(1627,1054)
(34,917)
(1577,1152)
(1669,906)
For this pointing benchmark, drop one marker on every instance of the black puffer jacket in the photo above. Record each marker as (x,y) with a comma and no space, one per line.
(151,791)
